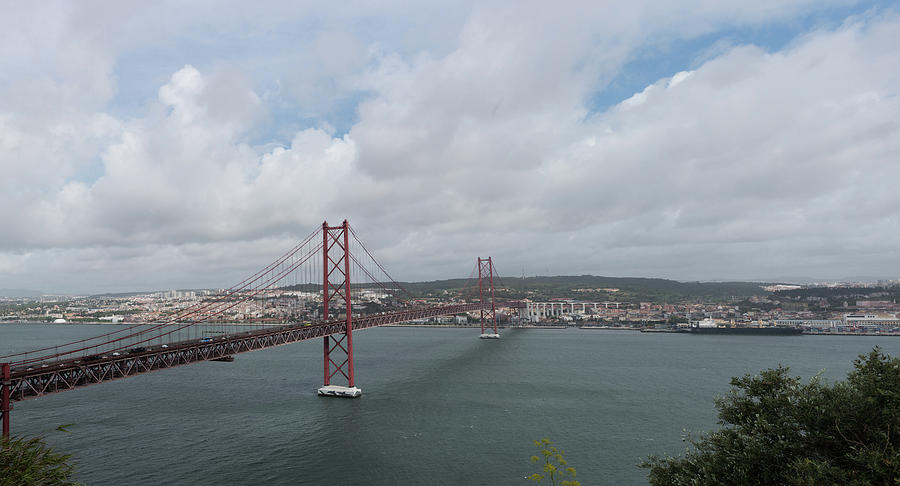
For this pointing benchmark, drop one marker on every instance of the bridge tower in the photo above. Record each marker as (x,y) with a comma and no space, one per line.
(338,348)
(486,272)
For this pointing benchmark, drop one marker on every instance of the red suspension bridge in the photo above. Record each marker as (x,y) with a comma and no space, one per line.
(356,293)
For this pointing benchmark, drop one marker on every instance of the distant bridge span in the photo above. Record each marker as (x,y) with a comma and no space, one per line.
(71,374)
(136,350)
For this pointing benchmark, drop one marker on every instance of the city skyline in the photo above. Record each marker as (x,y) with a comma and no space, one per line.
(162,146)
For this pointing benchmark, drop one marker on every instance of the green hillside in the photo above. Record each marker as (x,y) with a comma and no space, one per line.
(589,287)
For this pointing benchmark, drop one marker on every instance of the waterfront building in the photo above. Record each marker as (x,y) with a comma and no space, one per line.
(871,321)
(815,323)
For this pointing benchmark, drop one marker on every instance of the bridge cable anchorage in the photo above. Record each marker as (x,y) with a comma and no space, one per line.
(356,293)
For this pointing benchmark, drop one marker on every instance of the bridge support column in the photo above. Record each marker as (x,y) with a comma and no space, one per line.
(486,271)
(336,240)
(5,407)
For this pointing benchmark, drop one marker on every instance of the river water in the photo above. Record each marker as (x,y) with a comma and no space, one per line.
(439,406)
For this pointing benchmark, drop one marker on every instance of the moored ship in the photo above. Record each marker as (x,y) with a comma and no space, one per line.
(709,326)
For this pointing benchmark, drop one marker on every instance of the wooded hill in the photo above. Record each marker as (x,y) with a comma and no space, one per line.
(590,287)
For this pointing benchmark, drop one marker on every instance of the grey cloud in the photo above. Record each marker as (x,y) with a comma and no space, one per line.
(755,164)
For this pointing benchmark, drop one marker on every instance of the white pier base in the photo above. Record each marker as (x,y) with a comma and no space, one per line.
(490,335)
(339,391)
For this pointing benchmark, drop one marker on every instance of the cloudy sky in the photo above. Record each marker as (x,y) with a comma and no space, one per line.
(153,145)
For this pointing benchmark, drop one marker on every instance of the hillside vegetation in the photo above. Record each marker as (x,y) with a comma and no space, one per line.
(589,287)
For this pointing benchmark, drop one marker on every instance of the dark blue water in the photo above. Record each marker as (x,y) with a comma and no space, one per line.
(440,406)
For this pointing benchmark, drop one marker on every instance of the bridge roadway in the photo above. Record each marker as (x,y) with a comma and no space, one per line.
(41,379)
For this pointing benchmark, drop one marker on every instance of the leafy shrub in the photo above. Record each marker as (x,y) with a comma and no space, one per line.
(778,430)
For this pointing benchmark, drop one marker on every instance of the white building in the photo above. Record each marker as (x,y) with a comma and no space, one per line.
(871,320)
(817,323)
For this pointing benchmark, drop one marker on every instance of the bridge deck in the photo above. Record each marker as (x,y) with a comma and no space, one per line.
(58,376)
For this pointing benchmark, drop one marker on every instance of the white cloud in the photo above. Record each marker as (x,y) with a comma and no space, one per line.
(753,164)
(735,169)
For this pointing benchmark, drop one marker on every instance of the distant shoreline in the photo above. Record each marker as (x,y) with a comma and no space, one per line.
(457,326)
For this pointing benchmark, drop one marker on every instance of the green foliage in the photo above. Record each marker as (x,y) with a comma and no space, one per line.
(554,466)
(840,293)
(31,462)
(629,289)
(778,430)
(837,297)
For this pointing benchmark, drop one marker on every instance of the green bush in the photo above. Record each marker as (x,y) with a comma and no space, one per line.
(31,462)
(778,430)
